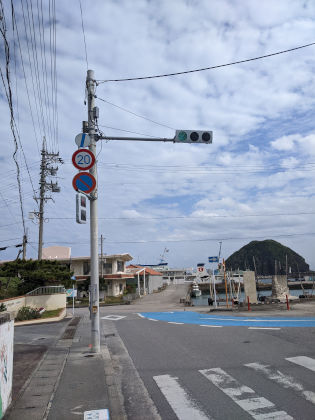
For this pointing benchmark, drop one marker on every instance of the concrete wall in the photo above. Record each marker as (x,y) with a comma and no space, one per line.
(154,282)
(49,302)
(14,304)
(250,286)
(6,361)
(280,287)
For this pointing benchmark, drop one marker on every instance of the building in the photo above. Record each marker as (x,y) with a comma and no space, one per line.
(145,279)
(112,269)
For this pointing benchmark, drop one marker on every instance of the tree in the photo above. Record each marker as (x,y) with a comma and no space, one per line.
(33,274)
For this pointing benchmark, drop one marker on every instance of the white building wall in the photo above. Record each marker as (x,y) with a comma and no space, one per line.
(6,364)
(153,282)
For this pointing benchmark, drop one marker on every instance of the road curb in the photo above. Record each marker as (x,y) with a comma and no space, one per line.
(42,321)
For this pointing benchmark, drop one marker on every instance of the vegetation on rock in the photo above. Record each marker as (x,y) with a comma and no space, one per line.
(269,257)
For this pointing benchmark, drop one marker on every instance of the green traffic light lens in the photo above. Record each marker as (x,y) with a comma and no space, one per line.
(182,136)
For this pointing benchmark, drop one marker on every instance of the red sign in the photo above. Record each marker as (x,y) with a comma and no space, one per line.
(84,181)
(83,159)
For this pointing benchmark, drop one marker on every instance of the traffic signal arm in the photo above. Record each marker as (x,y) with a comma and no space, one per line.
(181,136)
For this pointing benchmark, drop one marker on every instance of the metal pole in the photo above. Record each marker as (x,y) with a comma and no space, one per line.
(102,256)
(95,316)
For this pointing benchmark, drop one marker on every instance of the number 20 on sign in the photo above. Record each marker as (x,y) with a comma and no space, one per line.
(83,159)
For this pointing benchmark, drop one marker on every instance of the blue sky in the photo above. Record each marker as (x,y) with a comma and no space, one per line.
(256,181)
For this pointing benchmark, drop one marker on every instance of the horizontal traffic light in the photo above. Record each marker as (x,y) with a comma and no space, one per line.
(193,136)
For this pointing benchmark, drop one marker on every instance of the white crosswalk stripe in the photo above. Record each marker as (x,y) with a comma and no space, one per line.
(256,406)
(304,361)
(180,401)
(187,407)
(286,381)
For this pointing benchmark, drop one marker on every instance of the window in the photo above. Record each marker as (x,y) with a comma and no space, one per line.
(120,266)
(107,268)
(86,268)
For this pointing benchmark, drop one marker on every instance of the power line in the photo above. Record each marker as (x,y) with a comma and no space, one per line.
(127,131)
(133,113)
(86,58)
(206,68)
(192,217)
(238,238)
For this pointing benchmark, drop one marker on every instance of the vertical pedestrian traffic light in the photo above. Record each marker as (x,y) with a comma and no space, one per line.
(80,208)
(193,136)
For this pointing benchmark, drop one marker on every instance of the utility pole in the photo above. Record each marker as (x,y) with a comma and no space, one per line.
(94,285)
(102,256)
(24,245)
(45,170)
(89,127)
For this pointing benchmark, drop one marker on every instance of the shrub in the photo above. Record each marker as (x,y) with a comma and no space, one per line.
(3,308)
(26,312)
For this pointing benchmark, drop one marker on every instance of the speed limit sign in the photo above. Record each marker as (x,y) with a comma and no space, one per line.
(83,159)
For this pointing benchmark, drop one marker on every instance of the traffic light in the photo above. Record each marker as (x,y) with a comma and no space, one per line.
(81,208)
(193,136)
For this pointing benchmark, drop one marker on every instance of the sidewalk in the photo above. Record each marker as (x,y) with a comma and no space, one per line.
(70,380)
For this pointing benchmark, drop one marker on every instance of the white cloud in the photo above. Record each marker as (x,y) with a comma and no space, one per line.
(261,157)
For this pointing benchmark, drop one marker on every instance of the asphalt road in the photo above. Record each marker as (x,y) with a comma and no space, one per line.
(198,372)
(169,358)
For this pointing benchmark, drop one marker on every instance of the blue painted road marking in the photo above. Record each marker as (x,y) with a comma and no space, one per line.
(188,317)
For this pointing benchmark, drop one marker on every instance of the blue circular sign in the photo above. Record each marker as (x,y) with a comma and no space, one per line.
(84,182)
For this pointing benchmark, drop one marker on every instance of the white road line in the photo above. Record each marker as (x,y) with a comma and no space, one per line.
(286,381)
(304,361)
(141,316)
(177,323)
(151,319)
(183,405)
(211,326)
(259,320)
(264,328)
(258,407)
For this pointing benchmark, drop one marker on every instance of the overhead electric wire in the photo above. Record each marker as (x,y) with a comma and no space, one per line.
(192,217)
(207,68)
(83,31)
(127,131)
(24,73)
(219,238)
(3,31)
(133,113)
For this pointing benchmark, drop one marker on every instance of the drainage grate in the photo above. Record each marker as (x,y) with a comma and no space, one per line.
(69,333)
(74,321)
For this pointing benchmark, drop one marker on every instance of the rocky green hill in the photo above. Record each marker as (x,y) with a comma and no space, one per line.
(265,253)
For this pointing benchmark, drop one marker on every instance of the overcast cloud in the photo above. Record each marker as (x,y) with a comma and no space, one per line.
(256,181)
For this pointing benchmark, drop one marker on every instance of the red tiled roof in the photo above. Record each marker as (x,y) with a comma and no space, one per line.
(148,270)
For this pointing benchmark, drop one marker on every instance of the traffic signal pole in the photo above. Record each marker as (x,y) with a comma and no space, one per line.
(94,278)
(181,136)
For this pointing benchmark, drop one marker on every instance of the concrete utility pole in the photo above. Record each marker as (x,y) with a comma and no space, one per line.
(181,136)
(94,285)
(45,170)
(24,245)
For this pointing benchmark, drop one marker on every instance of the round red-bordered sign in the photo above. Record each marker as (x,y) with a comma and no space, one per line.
(84,181)
(83,159)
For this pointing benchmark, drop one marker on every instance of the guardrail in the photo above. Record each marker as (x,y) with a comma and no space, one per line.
(47,290)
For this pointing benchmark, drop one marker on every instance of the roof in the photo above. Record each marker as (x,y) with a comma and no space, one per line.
(134,268)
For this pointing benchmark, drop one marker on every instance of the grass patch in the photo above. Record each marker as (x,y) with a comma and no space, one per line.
(113,299)
(51,314)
